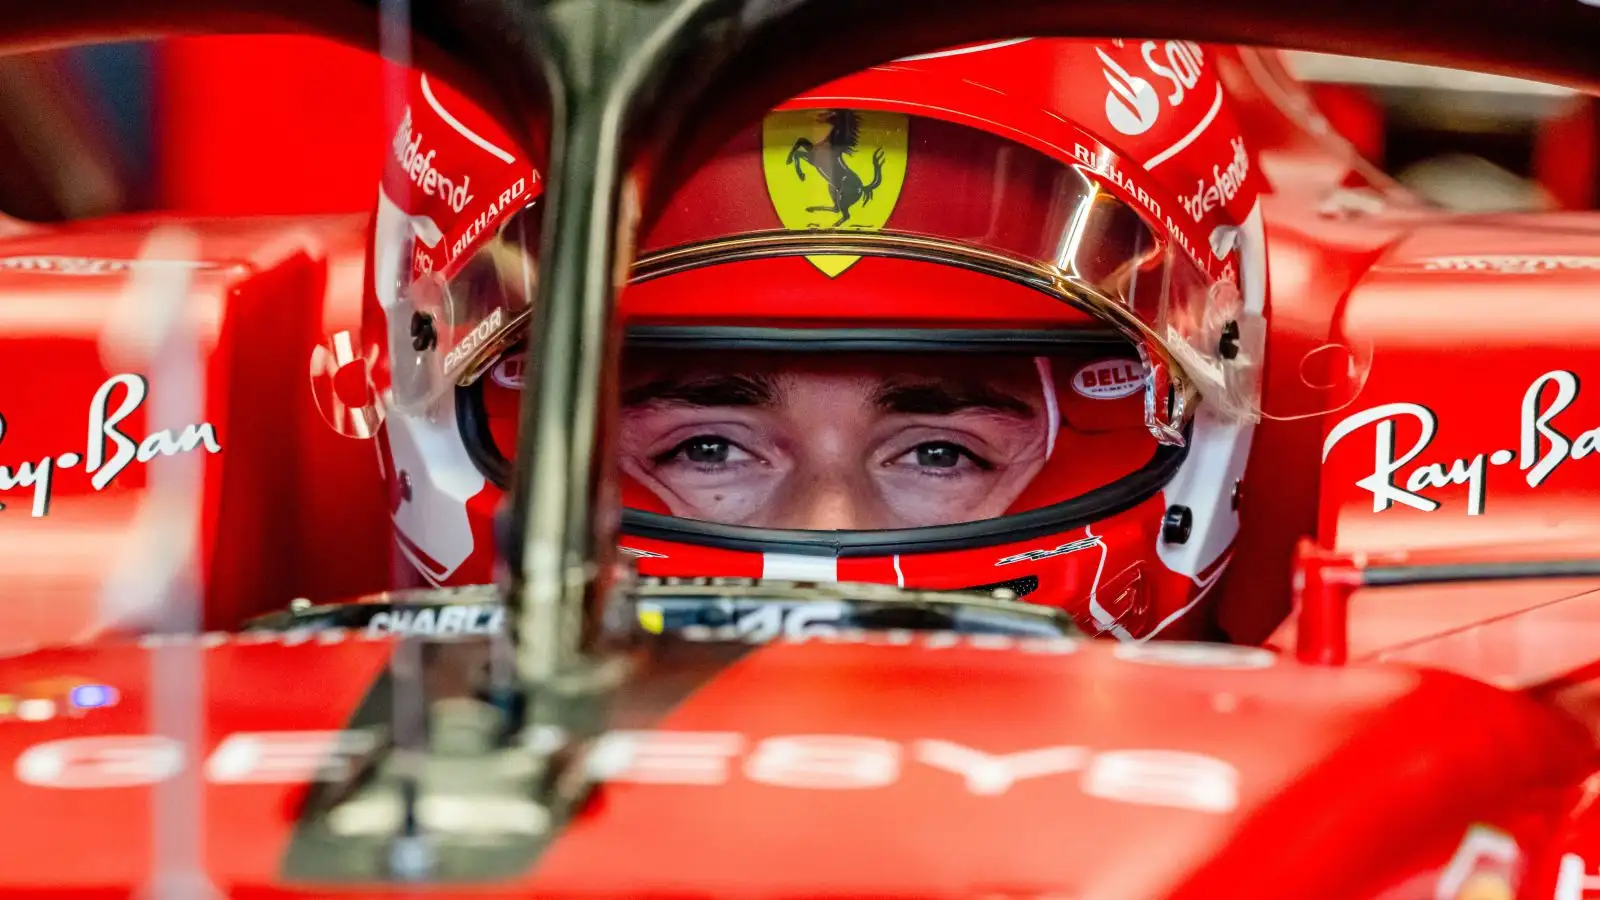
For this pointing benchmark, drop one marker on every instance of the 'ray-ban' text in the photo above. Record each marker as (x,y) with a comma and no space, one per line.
(1542,448)
(108,451)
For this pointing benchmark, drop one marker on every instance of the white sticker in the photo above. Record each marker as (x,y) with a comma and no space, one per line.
(456,619)
(810,762)
(1510,264)
(88,265)
(1223,239)
(1189,655)
(1109,379)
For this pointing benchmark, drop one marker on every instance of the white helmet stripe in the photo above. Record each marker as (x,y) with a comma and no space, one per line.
(1052,407)
(797,567)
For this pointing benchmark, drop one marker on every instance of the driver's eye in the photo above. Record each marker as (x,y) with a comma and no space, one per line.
(938,455)
(706,450)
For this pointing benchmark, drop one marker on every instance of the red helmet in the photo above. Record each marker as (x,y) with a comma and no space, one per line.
(954,322)
(450,184)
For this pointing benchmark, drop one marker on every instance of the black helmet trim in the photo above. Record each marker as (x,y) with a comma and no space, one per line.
(1020,341)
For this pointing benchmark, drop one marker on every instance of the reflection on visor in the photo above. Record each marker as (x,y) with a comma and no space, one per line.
(1067,230)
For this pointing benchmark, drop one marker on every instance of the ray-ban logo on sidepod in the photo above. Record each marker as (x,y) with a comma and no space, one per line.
(109,450)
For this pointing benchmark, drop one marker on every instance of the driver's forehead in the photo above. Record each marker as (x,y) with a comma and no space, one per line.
(791,368)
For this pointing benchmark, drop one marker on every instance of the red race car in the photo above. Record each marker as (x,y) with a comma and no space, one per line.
(1036,467)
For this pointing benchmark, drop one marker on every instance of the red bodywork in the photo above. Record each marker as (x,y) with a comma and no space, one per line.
(1448,757)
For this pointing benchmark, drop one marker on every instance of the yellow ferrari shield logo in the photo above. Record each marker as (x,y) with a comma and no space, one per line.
(835,168)
(651,618)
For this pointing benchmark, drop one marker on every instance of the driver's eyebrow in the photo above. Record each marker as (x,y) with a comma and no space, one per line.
(711,390)
(941,398)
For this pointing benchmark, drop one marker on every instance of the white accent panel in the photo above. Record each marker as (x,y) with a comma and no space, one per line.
(1218,449)
(1052,408)
(1103,619)
(1253,260)
(389,251)
(443,479)
(794,567)
(1205,588)
(1218,452)
(427,448)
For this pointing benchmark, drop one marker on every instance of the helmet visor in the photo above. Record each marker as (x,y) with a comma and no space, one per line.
(845,436)
(451,326)
(843,221)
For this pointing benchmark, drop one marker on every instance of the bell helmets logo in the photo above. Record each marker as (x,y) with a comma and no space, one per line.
(834,168)
(418,166)
(1134,104)
(1109,379)
(508,373)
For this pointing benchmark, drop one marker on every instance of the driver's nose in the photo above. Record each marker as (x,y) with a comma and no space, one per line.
(834,505)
